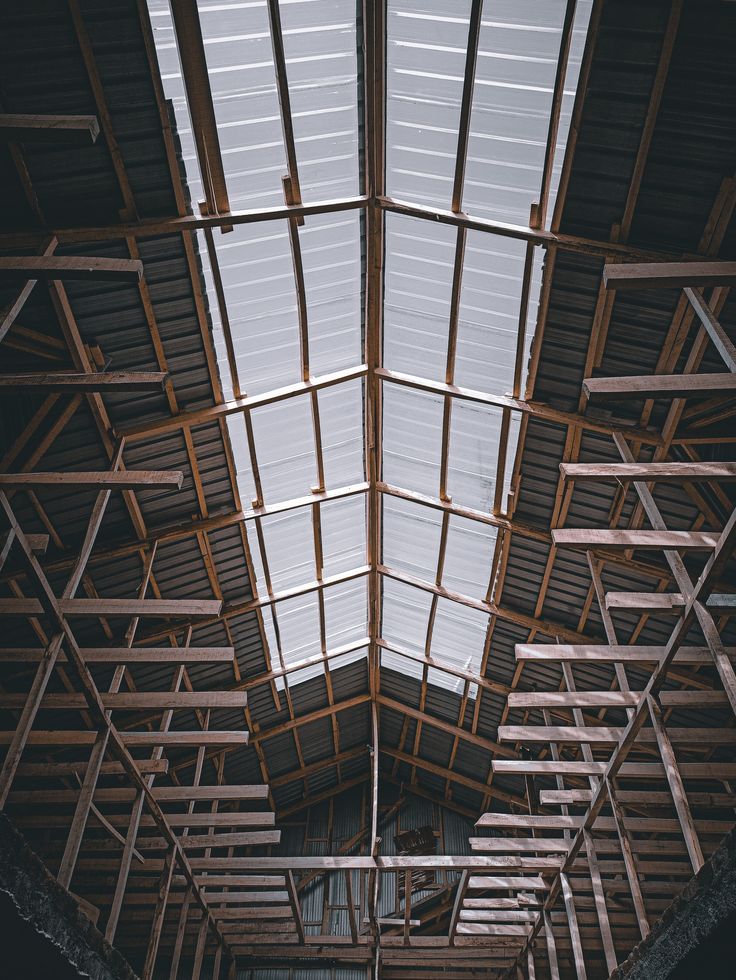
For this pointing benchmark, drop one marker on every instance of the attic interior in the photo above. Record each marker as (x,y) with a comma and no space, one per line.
(367,510)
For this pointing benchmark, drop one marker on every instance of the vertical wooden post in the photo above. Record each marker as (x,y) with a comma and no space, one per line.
(181,929)
(629,862)
(158,915)
(600,903)
(572,922)
(554,967)
(677,788)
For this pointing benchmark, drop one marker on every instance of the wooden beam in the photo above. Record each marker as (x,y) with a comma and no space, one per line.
(191,608)
(723,603)
(127,655)
(137,700)
(200,416)
(660,386)
(602,735)
(105,479)
(613,653)
(96,381)
(190,44)
(612,699)
(679,796)
(535,409)
(629,770)
(623,539)
(23,128)
(650,472)
(69,267)
(668,275)
(176,739)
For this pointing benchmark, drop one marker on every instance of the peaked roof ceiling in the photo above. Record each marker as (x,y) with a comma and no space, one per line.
(375,533)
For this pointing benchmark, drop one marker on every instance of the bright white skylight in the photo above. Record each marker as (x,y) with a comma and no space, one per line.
(426,54)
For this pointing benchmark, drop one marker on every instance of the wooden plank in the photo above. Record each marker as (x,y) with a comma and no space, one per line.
(106,479)
(677,788)
(93,381)
(506,883)
(600,903)
(127,655)
(604,735)
(629,862)
(137,700)
(572,922)
(53,770)
(668,275)
(70,267)
(134,739)
(667,602)
(613,699)
(630,770)
(26,128)
(650,472)
(556,797)
(191,608)
(190,44)
(658,386)
(538,845)
(604,653)
(622,539)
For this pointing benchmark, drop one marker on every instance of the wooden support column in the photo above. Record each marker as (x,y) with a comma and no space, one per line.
(629,862)
(677,788)
(158,915)
(572,922)
(599,898)
(554,968)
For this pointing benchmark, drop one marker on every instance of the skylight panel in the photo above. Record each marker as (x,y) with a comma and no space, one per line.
(426,55)
(312,442)
(320,45)
(412,438)
(330,247)
(285,445)
(419,268)
(411,537)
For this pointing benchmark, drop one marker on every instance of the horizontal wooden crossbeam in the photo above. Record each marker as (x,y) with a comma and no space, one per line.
(629,770)
(69,267)
(26,128)
(623,539)
(191,608)
(604,735)
(667,602)
(94,381)
(127,655)
(102,480)
(661,386)
(176,739)
(614,653)
(668,275)
(612,699)
(136,700)
(650,472)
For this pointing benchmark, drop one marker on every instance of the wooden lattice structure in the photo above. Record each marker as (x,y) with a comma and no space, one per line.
(160,735)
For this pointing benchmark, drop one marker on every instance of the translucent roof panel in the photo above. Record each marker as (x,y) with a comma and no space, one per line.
(330,247)
(280,337)
(426,51)
(320,44)
(237,43)
(518,49)
(419,264)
